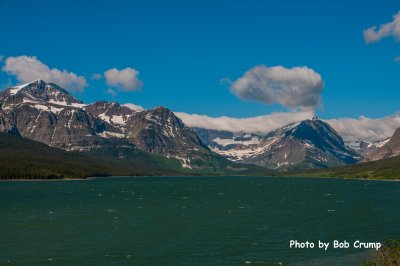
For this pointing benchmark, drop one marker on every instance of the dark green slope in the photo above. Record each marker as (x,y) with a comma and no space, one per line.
(24,158)
(383,169)
(21,158)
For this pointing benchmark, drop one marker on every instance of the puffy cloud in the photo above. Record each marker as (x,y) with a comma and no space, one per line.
(259,124)
(375,34)
(397,59)
(133,107)
(298,87)
(124,80)
(364,128)
(28,68)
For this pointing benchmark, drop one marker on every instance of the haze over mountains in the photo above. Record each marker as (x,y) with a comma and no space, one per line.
(47,113)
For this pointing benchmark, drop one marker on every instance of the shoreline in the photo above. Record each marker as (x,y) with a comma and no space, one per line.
(280,176)
(46,180)
(345,178)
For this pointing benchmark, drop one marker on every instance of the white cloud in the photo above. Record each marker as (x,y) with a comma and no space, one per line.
(259,124)
(297,87)
(124,80)
(375,34)
(397,59)
(363,128)
(28,68)
(133,107)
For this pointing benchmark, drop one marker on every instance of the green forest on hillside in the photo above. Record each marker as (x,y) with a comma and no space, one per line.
(21,158)
(383,169)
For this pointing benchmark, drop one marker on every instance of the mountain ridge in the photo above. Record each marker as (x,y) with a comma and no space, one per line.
(389,149)
(309,143)
(49,114)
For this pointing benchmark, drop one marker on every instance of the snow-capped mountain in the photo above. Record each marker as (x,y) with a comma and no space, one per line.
(365,148)
(306,144)
(225,140)
(49,114)
(46,113)
(390,148)
(157,131)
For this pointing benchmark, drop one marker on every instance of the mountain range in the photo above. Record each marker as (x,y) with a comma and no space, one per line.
(46,113)
(390,148)
(307,144)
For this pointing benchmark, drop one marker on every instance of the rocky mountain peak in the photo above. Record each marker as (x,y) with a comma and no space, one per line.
(36,92)
(316,131)
(49,114)
(309,143)
(162,110)
(38,88)
(389,149)
(108,109)
(160,131)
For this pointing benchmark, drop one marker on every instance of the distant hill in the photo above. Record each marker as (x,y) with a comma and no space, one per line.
(22,158)
(27,159)
(382,169)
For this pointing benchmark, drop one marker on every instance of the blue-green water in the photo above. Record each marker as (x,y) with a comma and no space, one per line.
(193,220)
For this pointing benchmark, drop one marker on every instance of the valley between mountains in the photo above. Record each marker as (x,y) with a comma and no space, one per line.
(74,139)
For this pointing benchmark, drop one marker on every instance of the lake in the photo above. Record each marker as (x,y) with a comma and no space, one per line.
(193,220)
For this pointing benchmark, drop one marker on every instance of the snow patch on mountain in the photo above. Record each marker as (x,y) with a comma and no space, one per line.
(104,117)
(108,134)
(133,107)
(48,108)
(226,142)
(184,162)
(118,119)
(63,103)
(381,143)
(16,89)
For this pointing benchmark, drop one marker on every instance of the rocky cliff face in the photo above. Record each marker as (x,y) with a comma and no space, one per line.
(161,132)
(46,113)
(389,149)
(156,131)
(112,113)
(365,148)
(49,114)
(307,144)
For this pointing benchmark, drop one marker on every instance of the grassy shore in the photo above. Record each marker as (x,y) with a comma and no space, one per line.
(386,169)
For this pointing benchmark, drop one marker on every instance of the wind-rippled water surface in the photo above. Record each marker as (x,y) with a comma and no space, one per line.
(193,220)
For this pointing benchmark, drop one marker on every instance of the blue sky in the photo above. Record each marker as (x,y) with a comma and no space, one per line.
(182,49)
